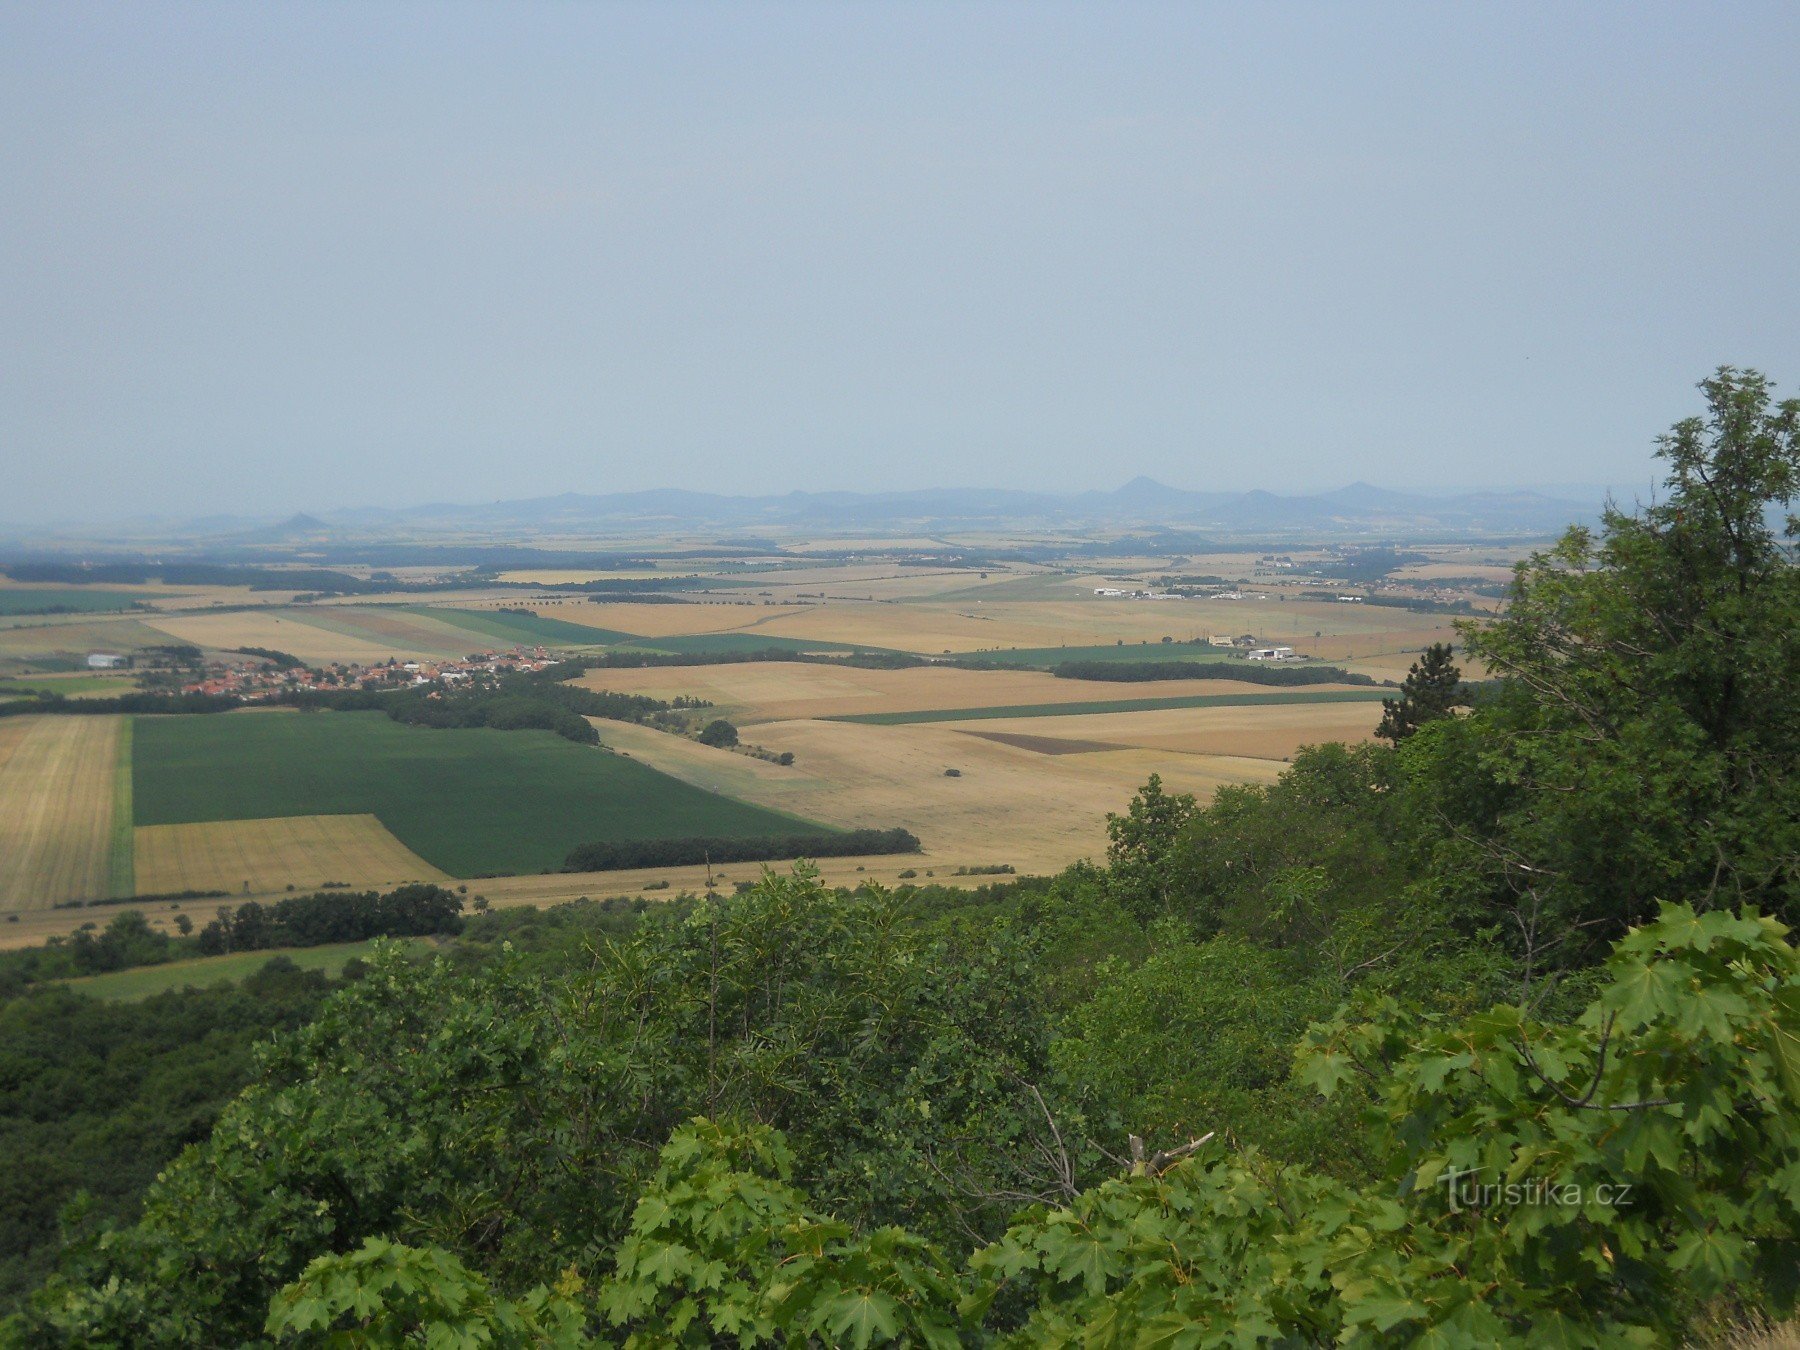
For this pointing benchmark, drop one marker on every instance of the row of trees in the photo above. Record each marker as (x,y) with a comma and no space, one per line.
(615,854)
(415,910)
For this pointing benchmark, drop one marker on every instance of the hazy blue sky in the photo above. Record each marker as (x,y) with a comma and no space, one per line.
(267,257)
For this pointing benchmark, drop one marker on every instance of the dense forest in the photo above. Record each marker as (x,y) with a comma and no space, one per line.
(1485,1033)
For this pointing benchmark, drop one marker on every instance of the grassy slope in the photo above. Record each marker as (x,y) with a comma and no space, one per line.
(467,801)
(128,986)
(124,873)
(522,630)
(1114,705)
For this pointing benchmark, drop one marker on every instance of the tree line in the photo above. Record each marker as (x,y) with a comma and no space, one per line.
(415,910)
(617,854)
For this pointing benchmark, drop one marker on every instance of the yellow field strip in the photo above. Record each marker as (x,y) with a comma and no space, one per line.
(270,855)
(57,786)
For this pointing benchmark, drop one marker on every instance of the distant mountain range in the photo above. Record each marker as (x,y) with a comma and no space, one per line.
(1357,509)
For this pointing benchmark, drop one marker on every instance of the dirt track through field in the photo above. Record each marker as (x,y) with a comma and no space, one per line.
(57,785)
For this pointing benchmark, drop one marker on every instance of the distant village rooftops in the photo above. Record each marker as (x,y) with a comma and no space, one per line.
(253,680)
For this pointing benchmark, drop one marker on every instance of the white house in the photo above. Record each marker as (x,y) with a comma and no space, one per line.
(105,661)
(1269,654)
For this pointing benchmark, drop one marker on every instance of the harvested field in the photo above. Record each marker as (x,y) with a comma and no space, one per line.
(402,633)
(74,636)
(268,855)
(977,627)
(57,786)
(287,631)
(1030,712)
(1113,654)
(1457,571)
(1268,732)
(773,691)
(1010,805)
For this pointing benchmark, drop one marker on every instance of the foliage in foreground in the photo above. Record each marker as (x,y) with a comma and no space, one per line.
(1588,1183)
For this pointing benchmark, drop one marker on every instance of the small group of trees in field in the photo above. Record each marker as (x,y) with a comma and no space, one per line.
(415,910)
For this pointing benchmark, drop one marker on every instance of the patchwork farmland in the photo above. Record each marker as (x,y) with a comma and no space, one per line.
(1004,764)
(467,802)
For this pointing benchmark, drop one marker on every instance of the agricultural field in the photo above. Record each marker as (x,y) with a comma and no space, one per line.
(58,807)
(64,599)
(269,854)
(265,802)
(774,691)
(467,802)
(516,629)
(661,621)
(1118,652)
(63,641)
(290,630)
(1272,729)
(68,686)
(1116,706)
(1009,805)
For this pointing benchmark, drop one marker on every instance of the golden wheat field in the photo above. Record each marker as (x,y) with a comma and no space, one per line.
(266,855)
(1273,731)
(57,781)
(773,691)
(1009,805)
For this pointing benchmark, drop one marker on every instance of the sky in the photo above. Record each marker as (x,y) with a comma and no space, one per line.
(262,258)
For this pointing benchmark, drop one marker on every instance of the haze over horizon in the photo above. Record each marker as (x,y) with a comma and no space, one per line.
(260,261)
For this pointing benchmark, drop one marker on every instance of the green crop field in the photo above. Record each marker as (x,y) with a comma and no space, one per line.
(140,982)
(898,719)
(525,630)
(72,686)
(1045,657)
(708,644)
(466,801)
(63,600)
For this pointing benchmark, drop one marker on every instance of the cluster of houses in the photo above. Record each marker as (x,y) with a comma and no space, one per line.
(1122,593)
(254,678)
